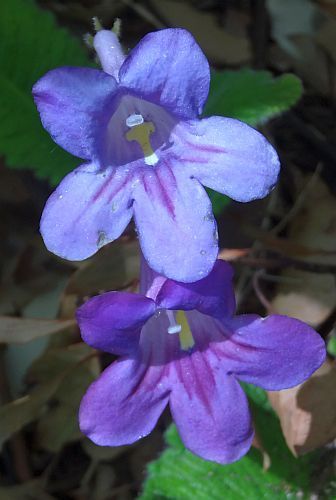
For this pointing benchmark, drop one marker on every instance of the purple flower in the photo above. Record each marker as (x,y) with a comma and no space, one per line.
(147,154)
(180,343)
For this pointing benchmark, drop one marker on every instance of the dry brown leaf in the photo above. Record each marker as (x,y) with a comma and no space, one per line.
(233,253)
(102,453)
(220,46)
(22,330)
(59,424)
(287,246)
(59,374)
(295,27)
(256,443)
(20,412)
(12,186)
(112,268)
(328,6)
(31,271)
(307,412)
(311,296)
(34,489)
(84,11)
(326,37)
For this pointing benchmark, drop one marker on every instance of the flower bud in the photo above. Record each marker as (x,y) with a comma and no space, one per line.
(109,51)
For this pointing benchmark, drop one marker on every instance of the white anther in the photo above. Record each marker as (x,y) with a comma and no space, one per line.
(174,329)
(134,120)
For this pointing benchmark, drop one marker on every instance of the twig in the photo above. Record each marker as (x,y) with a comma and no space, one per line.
(244,285)
(328,324)
(314,136)
(278,278)
(284,262)
(143,12)
(260,32)
(299,201)
(259,293)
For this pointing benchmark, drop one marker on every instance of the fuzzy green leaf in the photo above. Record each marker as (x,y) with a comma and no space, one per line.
(31,44)
(251,96)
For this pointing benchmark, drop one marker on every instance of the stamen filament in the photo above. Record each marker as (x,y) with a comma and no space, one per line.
(174,327)
(179,324)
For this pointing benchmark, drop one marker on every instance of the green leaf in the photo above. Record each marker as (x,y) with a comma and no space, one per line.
(180,475)
(31,44)
(251,96)
(219,201)
(331,346)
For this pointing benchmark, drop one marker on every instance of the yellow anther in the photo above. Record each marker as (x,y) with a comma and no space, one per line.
(186,338)
(141,134)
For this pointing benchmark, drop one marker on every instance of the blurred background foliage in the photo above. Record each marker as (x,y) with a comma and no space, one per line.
(283,250)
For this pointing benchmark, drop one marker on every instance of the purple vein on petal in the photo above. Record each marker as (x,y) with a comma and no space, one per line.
(168,186)
(155,188)
(101,190)
(180,375)
(104,187)
(122,184)
(192,141)
(142,383)
(199,382)
(181,159)
(206,148)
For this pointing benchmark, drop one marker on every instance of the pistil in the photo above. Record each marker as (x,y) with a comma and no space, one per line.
(140,131)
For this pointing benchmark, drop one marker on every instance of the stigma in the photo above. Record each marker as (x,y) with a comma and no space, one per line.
(140,131)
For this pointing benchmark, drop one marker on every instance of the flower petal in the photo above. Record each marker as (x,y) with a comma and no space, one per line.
(275,353)
(112,321)
(212,295)
(74,106)
(150,281)
(168,68)
(89,208)
(123,405)
(210,410)
(228,156)
(176,228)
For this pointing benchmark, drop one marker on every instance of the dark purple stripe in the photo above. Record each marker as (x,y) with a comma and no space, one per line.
(156,190)
(164,188)
(206,148)
(103,187)
(123,184)
(200,389)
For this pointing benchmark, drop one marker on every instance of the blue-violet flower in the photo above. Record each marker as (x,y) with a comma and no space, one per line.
(180,343)
(147,154)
